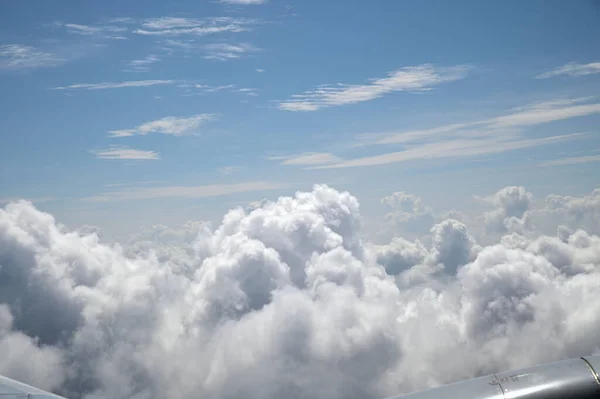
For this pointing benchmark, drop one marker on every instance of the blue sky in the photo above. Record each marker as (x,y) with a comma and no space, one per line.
(120,114)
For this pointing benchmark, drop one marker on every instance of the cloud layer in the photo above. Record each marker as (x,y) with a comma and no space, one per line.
(287,298)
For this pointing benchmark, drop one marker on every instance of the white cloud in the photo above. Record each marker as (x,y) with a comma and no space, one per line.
(530,115)
(245,2)
(457,148)
(228,170)
(544,113)
(168,125)
(178,26)
(286,299)
(573,212)
(512,214)
(35,200)
(307,158)
(121,20)
(170,23)
(260,70)
(125,153)
(105,31)
(488,136)
(115,85)
(408,215)
(571,160)
(214,89)
(17,57)
(185,191)
(249,91)
(572,69)
(226,51)
(142,65)
(417,78)
(184,45)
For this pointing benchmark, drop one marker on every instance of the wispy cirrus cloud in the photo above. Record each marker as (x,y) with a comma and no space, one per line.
(307,158)
(185,191)
(35,200)
(125,153)
(228,170)
(244,2)
(233,88)
(453,148)
(142,65)
(100,30)
(21,57)
(571,160)
(416,78)
(226,51)
(484,137)
(529,115)
(572,69)
(179,26)
(170,125)
(115,85)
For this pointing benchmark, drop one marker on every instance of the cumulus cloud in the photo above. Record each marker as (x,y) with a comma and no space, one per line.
(574,212)
(407,214)
(286,298)
(512,210)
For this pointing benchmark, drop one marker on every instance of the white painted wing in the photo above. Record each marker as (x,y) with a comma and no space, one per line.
(11,389)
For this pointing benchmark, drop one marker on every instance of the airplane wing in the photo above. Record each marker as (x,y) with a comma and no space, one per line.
(567,379)
(11,389)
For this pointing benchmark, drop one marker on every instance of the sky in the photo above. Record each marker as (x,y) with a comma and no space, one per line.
(315,199)
(118,112)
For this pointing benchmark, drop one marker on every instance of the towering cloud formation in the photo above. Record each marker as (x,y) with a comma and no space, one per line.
(285,299)
(408,214)
(512,210)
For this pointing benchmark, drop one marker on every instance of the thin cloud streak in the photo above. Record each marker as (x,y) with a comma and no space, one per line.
(186,191)
(125,153)
(21,57)
(36,200)
(115,85)
(142,65)
(572,160)
(244,2)
(452,149)
(169,125)
(416,78)
(175,26)
(531,115)
(308,158)
(572,69)
(226,51)
(228,170)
